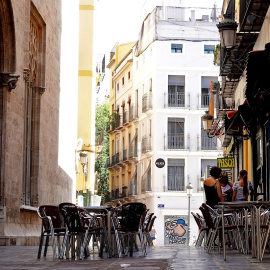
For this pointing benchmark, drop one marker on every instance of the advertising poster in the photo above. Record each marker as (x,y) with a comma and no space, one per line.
(176,229)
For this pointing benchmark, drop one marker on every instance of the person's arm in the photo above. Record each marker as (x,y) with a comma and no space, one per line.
(234,195)
(219,192)
(251,187)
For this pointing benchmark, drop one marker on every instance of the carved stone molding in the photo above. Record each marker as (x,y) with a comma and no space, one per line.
(26,74)
(39,89)
(9,79)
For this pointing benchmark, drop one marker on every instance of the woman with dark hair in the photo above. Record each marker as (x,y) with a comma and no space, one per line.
(226,187)
(212,188)
(242,187)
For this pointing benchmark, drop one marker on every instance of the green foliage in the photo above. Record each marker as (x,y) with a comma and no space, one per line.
(114,119)
(102,119)
(217,55)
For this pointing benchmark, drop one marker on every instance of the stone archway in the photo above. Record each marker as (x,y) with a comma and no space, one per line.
(8,78)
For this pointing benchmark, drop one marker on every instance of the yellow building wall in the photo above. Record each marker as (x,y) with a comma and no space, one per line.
(86,95)
(121,51)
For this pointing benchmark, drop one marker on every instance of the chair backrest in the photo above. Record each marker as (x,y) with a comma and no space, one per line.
(207,217)
(89,220)
(147,221)
(72,218)
(197,220)
(151,223)
(56,217)
(131,216)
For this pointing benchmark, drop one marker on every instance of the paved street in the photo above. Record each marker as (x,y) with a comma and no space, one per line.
(158,258)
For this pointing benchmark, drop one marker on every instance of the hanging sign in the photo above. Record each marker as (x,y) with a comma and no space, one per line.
(160,162)
(225,162)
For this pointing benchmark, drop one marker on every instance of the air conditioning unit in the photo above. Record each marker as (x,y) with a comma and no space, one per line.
(229,102)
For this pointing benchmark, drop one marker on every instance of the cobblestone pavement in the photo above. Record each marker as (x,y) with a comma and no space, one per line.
(158,258)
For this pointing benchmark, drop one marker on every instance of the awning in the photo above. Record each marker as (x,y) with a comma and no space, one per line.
(236,120)
(258,82)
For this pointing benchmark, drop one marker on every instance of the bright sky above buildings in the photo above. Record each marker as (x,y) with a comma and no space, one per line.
(120,20)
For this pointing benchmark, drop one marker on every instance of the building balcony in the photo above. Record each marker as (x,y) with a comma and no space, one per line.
(115,194)
(125,118)
(133,112)
(203,101)
(125,156)
(174,182)
(206,143)
(133,152)
(147,102)
(177,100)
(146,182)
(124,191)
(146,144)
(132,188)
(176,141)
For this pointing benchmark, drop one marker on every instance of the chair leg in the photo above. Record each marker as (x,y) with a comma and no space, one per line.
(142,243)
(101,244)
(61,255)
(53,244)
(86,240)
(264,243)
(46,245)
(40,245)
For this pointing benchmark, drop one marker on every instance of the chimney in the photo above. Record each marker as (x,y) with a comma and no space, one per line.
(193,15)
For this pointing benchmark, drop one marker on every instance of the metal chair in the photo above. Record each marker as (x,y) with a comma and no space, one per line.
(80,225)
(94,228)
(149,227)
(127,223)
(264,228)
(213,222)
(201,227)
(52,225)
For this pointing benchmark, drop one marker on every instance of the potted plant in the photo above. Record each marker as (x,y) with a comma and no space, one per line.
(214,87)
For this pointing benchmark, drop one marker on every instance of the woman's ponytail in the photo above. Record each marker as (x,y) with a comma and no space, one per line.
(243,174)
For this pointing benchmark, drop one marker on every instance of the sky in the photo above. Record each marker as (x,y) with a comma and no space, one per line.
(120,21)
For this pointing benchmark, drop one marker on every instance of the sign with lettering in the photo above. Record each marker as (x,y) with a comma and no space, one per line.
(160,163)
(160,205)
(225,162)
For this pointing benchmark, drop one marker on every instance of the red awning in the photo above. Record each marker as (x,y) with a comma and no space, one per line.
(230,114)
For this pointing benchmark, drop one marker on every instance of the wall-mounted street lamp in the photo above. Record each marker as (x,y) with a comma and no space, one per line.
(227,30)
(84,161)
(227,27)
(189,189)
(207,120)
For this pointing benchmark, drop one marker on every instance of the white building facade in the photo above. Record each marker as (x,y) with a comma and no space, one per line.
(172,70)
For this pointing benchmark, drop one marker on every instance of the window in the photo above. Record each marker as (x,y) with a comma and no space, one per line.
(176,179)
(176,91)
(176,133)
(205,88)
(117,86)
(33,90)
(207,143)
(209,49)
(123,81)
(176,48)
(129,75)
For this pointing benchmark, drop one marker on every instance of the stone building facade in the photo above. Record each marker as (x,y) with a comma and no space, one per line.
(32,170)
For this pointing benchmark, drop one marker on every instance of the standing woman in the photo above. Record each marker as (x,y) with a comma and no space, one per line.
(242,188)
(226,187)
(212,188)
